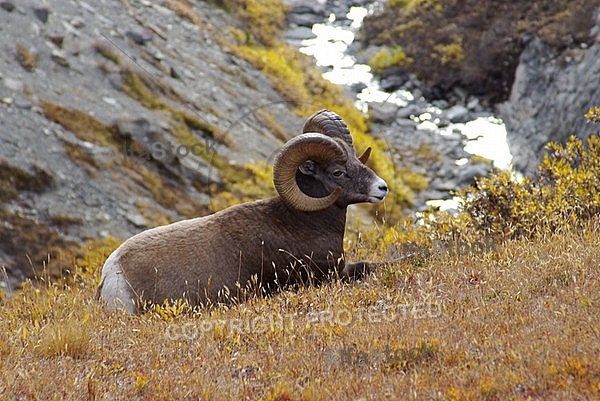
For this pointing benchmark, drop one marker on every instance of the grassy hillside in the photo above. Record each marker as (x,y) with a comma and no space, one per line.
(520,323)
(514,317)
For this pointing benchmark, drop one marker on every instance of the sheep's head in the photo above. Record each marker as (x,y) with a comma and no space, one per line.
(320,167)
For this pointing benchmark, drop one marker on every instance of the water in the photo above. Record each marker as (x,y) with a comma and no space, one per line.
(330,49)
(486,135)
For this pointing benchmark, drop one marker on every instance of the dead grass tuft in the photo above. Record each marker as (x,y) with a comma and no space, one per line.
(86,127)
(69,337)
(26,57)
(107,50)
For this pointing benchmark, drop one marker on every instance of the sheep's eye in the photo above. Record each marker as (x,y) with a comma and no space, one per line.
(338,173)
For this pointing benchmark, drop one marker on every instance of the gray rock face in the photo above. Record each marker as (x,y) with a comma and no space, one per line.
(116,185)
(550,95)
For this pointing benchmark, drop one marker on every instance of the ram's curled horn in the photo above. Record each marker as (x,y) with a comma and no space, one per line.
(311,146)
(328,123)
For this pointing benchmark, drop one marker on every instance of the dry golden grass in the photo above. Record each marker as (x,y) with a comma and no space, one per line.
(517,324)
(64,337)
(86,127)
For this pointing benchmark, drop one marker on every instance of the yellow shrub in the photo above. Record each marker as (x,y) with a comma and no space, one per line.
(593,114)
(264,19)
(387,57)
(451,53)
(279,63)
(566,193)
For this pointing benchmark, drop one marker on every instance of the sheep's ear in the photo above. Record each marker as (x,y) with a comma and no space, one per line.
(365,156)
(309,167)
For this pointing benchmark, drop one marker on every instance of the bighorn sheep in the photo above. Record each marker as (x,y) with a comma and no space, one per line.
(287,239)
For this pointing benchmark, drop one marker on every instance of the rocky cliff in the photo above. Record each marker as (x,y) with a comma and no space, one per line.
(551,92)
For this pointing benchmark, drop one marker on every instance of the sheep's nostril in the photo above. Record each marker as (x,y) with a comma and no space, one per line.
(383,188)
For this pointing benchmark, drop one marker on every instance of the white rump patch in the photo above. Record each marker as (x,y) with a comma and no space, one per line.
(115,290)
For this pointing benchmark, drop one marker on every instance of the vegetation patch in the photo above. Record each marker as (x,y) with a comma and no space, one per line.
(107,50)
(184,10)
(451,53)
(81,156)
(540,293)
(244,184)
(593,114)
(86,127)
(566,193)
(65,337)
(269,121)
(39,251)
(263,19)
(13,180)
(564,196)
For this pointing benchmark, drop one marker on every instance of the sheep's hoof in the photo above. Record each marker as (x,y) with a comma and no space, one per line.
(356,271)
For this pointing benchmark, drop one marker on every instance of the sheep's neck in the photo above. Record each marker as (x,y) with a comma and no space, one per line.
(332,219)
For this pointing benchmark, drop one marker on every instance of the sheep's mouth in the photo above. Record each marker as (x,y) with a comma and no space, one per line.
(375,198)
